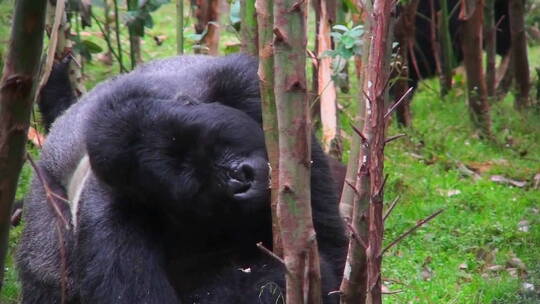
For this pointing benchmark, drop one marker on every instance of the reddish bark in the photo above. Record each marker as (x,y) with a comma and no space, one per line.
(519,57)
(207,14)
(472,54)
(16,97)
(405,33)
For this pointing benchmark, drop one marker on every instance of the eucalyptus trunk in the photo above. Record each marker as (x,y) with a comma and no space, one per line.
(303,278)
(473,15)
(326,89)
(180,27)
(265,21)
(248,29)
(519,57)
(17,88)
(207,15)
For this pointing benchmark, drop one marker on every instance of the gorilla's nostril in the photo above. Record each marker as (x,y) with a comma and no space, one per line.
(248,172)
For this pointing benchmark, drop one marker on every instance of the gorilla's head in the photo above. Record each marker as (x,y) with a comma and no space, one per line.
(194,159)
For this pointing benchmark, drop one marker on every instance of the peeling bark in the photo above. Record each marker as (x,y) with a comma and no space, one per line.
(326,88)
(17,87)
(207,14)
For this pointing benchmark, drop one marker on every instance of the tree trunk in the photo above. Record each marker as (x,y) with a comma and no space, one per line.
(248,29)
(135,30)
(447,50)
(491,35)
(207,14)
(362,276)
(180,27)
(16,96)
(519,57)
(374,131)
(405,33)
(303,278)
(265,21)
(326,88)
(472,54)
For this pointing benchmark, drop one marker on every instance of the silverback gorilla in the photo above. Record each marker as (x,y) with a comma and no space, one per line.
(166,175)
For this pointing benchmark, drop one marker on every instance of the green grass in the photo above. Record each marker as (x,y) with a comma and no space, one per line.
(479,227)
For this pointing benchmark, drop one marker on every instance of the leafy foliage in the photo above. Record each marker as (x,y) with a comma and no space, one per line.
(348,43)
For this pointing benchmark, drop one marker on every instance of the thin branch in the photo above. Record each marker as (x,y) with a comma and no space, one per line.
(392,206)
(357,131)
(48,192)
(396,104)
(392,138)
(271,254)
(108,41)
(412,229)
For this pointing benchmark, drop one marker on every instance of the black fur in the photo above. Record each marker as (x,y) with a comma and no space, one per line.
(57,95)
(177,196)
(423,50)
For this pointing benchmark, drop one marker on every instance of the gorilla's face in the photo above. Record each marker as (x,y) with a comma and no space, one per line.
(199,160)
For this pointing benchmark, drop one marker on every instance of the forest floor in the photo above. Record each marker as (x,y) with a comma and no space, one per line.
(484,247)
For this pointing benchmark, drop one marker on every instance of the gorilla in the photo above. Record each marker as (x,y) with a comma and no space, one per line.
(423,48)
(162,178)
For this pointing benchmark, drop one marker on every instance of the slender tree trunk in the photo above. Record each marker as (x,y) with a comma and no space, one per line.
(491,35)
(472,53)
(207,14)
(265,21)
(303,278)
(341,18)
(117,32)
(17,87)
(134,39)
(405,33)
(374,131)
(180,27)
(248,29)
(505,76)
(519,57)
(435,46)
(326,88)
(447,50)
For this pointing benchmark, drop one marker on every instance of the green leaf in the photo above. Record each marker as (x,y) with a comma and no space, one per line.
(340,27)
(92,47)
(234,15)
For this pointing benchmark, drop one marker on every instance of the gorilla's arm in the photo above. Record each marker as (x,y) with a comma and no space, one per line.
(120,261)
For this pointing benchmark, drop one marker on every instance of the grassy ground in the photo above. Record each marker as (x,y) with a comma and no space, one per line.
(482,249)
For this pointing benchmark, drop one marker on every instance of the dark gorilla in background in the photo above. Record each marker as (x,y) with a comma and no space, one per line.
(423,48)
(166,172)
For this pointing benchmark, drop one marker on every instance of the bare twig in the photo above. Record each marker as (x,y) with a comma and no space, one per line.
(270,253)
(48,192)
(391,207)
(396,104)
(63,263)
(352,187)
(357,131)
(392,138)
(108,41)
(412,229)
